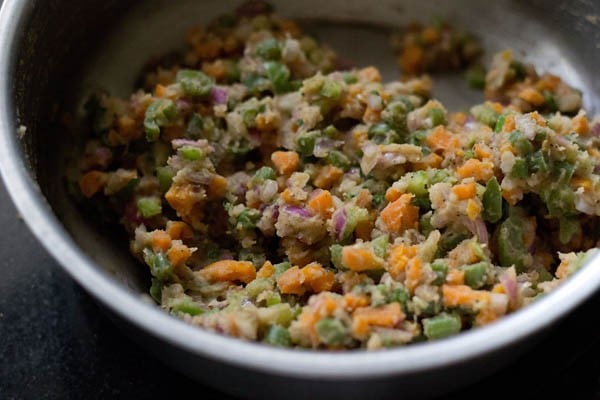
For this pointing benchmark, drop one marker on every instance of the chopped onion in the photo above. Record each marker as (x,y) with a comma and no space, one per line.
(478,229)
(339,222)
(298,211)
(219,95)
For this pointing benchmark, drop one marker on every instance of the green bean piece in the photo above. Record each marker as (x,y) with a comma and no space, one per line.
(437,116)
(476,274)
(187,306)
(336,256)
(492,201)
(305,143)
(519,169)
(380,246)
(441,269)
(441,326)
(279,75)
(165,178)
(258,286)
(262,174)
(485,115)
(511,247)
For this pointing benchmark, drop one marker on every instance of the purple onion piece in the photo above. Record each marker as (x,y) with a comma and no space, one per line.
(183,105)
(597,169)
(219,95)
(478,229)
(509,281)
(298,211)
(595,130)
(339,222)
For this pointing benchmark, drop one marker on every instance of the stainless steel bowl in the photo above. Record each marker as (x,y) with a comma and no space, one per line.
(54,52)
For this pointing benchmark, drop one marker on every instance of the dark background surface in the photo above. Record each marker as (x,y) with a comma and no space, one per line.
(55,342)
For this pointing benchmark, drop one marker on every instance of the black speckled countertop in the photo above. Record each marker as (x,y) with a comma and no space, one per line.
(55,343)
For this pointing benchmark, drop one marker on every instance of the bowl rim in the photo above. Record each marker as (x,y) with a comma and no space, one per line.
(44,224)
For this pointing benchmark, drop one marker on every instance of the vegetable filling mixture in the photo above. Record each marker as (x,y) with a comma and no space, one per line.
(276,199)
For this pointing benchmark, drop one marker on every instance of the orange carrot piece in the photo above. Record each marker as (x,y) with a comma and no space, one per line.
(179,230)
(400,215)
(386,316)
(178,254)
(92,182)
(322,204)
(474,168)
(442,139)
(328,176)
(229,271)
(317,279)
(291,282)
(266,271)
(285,162)
(358,258)
(414,272)
(465,191)
(462,295)
(352,301)
(161,240)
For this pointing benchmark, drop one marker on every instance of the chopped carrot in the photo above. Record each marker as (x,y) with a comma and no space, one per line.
(482,171)
(359,137)
(462,295)
(360,258)
(512,195)
(392,194)
(580,124)
(92,182)
(485,316)
(161,240)
(509,124)
(179,230)
(178,254)
(291,282)
(455,277)
(328,176)
(160,90)
(128,128)
(539,120)
(181,198)
(430,35)
(285,162)
(548,82)
(482,151)
(386,316)
(317,278)
(411,59)
(459,118)
(322,204)
(465,191)
(266,271)
(414,273)
(442,139)
(531,96)
(585,183)
(369,74)
(215,69)
(217,187)
(352,301)
(431,160)
(400,215)
(229,271)
(473,209)
(398,260)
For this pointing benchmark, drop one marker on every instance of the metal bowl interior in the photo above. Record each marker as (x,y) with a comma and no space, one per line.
(55,53)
